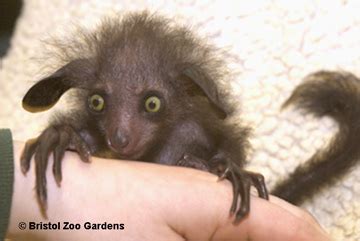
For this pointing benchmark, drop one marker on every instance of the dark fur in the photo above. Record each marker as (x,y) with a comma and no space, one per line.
(126,60)
(336,95)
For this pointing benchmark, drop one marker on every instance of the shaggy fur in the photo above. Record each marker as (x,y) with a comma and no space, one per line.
(336,95)
(122,72)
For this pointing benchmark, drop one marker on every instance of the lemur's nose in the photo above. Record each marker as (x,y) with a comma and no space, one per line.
(121,139)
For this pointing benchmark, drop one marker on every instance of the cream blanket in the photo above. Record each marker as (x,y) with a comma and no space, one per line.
(272,46)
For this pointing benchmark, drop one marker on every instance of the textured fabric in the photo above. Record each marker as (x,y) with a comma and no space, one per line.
(271,46)
(6,179)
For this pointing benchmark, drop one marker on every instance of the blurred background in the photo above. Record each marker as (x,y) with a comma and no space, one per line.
(9,12)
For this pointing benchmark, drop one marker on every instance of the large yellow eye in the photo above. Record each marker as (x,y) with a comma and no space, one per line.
(96,102)
(152,104)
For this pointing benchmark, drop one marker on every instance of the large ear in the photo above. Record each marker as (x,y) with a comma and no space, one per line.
(46,92)
(207,85)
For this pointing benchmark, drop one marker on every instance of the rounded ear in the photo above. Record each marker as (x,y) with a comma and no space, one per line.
(46,92)
(207,85)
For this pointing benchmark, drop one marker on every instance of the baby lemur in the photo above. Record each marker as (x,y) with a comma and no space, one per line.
(146,90)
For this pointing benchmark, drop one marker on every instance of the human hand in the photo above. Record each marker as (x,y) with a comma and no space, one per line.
(154,202)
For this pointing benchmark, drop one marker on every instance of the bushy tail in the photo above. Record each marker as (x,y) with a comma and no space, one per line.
(336,95)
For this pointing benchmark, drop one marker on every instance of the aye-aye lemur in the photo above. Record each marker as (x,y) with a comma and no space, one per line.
(337,95)
(146,90)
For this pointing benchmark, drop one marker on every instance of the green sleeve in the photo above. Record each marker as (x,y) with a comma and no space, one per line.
(6,179)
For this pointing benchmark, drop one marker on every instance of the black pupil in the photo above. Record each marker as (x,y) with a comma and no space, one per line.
(96,102)
(152,104)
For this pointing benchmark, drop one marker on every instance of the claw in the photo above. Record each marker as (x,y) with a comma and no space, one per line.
(40,187)
(235,184)
(28,152)
(258,181)
(46,144)
(241,181)
(64,139)
(192,161)
(224,174)
(58,155)
(54,139)
(81,147)
(245,201)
